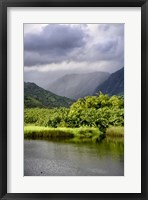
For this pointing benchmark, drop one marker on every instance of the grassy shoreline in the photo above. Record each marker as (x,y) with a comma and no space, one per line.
(115,132)
(82,134)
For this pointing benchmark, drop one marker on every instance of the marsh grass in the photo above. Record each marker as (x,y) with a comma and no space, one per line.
(115,132)
(82,134)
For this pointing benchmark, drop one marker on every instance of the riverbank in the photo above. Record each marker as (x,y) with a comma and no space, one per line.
(76,134)
(115,132)
(82,134)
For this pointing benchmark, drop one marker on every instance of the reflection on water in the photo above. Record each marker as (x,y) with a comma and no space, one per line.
(53,158)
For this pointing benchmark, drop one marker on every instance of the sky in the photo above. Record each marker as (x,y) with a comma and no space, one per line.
(53,50)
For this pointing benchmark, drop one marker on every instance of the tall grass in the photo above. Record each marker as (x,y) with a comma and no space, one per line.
(115,132)
(77,134)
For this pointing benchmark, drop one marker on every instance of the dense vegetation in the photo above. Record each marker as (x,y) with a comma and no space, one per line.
(99,112)
(75,134)
(114,85)
(115,131)
(35,96)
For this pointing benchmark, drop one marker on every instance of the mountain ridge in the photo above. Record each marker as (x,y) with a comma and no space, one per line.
(35,96)
(76,85)
(114,85)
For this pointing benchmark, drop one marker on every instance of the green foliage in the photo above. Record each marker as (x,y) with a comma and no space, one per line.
(35,96)
(115,131)
(46,117)
(30,102)
(99,111)
(76,134)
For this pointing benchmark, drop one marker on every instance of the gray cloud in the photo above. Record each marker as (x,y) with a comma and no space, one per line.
(104,27)
(99,46)
(112,29)
(52,44)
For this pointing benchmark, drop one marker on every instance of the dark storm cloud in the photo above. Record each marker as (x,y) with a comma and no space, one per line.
(110,49)
(52,51)
(52,44)
(111,45)
(107,46)
(78,43)
(105,50)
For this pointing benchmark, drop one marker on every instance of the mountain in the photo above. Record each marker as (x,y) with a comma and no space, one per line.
(35,96)
(114,85)
(76,86)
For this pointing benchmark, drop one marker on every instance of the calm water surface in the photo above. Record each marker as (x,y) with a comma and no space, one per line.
(48,158)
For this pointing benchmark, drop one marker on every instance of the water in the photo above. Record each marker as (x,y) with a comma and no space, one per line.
(48,158)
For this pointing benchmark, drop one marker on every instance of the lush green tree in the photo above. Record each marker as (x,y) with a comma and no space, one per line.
(99,111)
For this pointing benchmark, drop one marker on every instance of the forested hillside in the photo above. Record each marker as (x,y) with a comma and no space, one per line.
(35,96)
(114,85)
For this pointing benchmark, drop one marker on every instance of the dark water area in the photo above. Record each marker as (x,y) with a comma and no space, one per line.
(54,158)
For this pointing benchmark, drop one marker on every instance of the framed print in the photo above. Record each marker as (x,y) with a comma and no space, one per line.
(73,100)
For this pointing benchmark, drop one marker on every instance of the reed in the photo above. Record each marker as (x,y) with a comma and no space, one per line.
(115,132)
(78,134)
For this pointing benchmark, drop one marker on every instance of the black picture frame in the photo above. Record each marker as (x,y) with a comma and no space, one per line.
(4,4)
